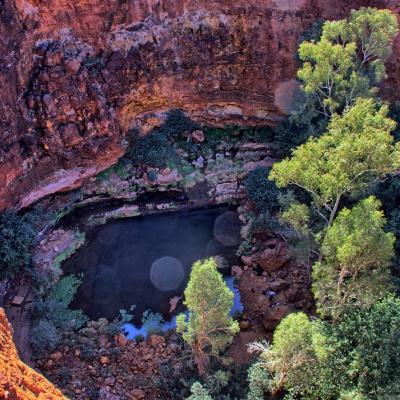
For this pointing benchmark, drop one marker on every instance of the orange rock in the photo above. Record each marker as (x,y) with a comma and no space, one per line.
(257,89)
(156,340)
(138,394)
(17,380)
(104,360)
(122,340)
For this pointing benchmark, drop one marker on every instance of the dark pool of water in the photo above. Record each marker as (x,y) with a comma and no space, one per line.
(146,261)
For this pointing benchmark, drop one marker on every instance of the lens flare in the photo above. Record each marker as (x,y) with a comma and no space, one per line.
(167,273)
(227,229)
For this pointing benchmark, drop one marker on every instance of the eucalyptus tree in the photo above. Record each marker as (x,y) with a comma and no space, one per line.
(356,149)
(348,60)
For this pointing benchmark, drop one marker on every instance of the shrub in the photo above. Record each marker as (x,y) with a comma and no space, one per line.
(259,382)
(152,322)
(199,392)
(296,362)
(114,328)
(64,376)
(45,337)
(120,169)
(88,351)
(261,191)
(367,343)
(303,123)
(153,150)
(139,338)
(356,255)
(177,123)
(17,238)
(53,312)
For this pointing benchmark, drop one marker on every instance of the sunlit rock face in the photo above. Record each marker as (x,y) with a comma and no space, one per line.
(17,380)
(76,75)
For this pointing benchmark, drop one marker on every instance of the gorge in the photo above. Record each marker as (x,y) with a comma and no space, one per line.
(173,197)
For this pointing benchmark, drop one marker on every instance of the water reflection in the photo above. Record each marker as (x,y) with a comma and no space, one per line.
(132,331)
(146,261)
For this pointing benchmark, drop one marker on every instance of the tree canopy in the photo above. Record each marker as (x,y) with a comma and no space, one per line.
(348,60)
(209,327)
(292,360)
(357,148)
(356,254)
(356,358)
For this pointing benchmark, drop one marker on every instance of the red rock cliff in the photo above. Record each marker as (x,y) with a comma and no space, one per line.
(17,380)
(75,75)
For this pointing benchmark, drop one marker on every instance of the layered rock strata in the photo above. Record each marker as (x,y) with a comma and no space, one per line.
(77,75)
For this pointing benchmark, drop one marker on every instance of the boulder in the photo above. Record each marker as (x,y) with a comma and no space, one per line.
(138,394)
(274,257)
(104,360)
(244,324)
(274,315)
(168,178)
(56,356)
(109,381)
(156,340)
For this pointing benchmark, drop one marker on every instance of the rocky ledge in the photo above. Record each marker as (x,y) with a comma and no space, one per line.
(77,75)
(17,380)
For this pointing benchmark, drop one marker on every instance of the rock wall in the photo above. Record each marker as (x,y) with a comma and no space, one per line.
(17,380)
(76,75)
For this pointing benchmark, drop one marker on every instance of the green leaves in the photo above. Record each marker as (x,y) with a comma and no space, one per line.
(209,301)
(349,58)
(367,344)
(295,357)
(17,238)
(356,253)
(357,148)
(356,358)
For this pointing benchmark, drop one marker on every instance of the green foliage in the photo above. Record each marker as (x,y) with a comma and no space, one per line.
(292,361)
(44,337)
(120,169)
(88,351)
(388,191)
(53,312)
(156,149)
(298,217)
(153,150)
(209,327)
(354,359)
(356,254)
(199,392)
(259,382)
(152,322)
(356,149)
(261,191)
(303,123)
(366,346)
(64,291)
(17,239)
(64,376)
(139,338)
(329,74)
(125,316)
(94,64)
(79,240)
(348,59)
(372,30)
(177,124)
